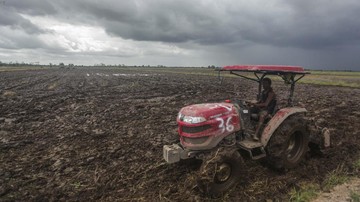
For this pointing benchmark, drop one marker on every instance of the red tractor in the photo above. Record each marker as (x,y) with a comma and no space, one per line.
(220,134)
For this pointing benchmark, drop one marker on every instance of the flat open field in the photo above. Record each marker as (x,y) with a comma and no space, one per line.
(97,134)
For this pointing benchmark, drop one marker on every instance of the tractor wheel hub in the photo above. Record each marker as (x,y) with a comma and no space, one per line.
(223,173)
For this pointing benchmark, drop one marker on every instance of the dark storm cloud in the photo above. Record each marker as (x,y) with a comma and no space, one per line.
(303,24)
(299,29)
(171,21)
(163,21)
(318,24)
(9,17)
(31,7)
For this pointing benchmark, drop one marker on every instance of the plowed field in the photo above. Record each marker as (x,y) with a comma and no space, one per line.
(97,134)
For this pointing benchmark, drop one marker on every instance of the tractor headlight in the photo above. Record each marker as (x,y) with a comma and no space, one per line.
(181,116)
(191,119)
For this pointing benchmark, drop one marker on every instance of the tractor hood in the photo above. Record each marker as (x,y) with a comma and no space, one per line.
(206,111)
(203,126)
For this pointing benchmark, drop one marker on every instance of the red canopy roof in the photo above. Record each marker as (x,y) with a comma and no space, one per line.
(265,68)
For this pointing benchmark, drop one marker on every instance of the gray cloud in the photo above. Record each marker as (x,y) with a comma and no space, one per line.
(305,24)
(16,21)
(33,7)
(17,39)
(297,29)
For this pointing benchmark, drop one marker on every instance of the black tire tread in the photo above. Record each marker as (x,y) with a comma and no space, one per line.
(207,171)
(276,147)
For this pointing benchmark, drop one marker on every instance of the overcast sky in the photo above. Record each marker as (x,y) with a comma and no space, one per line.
(316,34)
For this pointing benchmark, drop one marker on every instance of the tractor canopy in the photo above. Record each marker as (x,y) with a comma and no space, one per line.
(290,74)
(266,69)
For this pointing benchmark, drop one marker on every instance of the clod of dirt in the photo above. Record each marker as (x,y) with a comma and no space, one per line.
(9,93)
(342,105)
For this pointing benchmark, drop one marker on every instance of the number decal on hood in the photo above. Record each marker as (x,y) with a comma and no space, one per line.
(225,125)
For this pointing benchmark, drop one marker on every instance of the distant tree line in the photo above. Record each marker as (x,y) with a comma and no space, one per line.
(34,64)
(18,64)
(62,65)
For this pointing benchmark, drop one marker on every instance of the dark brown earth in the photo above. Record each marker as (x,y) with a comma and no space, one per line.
(97,134)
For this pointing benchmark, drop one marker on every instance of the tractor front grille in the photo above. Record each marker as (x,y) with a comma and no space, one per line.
(196,129)
(197,140)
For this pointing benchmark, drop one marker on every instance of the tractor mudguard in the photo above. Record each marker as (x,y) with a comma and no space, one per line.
(276,121)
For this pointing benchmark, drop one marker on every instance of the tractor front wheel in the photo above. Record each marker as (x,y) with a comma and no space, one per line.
(289,143)
(220,170)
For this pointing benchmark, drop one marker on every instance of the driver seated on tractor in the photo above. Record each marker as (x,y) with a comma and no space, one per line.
(265,106)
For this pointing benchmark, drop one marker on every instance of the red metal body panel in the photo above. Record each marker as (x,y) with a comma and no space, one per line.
(276,121)
(254,68)
(221,119)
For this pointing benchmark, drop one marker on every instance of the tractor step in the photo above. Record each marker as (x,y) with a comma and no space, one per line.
(255,148)
(249,144)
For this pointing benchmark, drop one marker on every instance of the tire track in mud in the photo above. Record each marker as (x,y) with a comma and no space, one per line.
(31,81)
(8,78)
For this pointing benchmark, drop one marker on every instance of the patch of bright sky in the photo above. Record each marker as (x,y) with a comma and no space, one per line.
(91,39)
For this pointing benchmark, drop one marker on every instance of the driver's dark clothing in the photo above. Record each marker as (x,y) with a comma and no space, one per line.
(272,104)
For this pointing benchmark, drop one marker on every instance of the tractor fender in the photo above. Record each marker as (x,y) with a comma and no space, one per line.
(276,121)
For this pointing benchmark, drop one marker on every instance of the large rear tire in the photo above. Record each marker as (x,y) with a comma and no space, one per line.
(289,143)
(221,170)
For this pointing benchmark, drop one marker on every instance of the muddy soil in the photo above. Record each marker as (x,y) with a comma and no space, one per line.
(97,134)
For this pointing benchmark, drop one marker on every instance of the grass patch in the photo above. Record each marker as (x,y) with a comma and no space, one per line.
(355,197)
(357,165)
(10,69)
(77,185)
(336,177)
(342,73)
(305,193)
(310,191)
(333,80)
